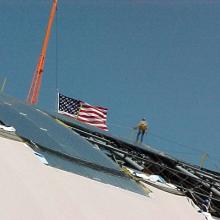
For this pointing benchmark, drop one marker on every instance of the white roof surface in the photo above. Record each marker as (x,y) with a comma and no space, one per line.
(32,190)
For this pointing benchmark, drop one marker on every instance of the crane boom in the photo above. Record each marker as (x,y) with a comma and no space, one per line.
(37,78)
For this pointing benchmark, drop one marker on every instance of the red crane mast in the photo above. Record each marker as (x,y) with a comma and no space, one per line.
(37,78)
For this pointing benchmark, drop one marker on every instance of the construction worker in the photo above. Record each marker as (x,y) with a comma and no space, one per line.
(206,203)
(142,128)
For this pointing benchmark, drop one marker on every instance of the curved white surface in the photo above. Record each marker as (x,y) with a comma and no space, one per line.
(31,190)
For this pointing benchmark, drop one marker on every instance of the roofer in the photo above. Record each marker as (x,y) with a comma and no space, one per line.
(206,203)
(142,128)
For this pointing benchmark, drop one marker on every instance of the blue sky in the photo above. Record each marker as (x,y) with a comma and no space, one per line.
(139,58)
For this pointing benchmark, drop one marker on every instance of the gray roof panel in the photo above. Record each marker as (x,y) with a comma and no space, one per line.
(44,130)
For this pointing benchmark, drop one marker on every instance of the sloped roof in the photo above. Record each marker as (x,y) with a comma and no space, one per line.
(81,152)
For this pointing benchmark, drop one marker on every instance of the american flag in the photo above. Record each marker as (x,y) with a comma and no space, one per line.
(84,112)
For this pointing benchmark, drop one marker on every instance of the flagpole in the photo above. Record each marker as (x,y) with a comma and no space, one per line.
(57,90)
(57,100)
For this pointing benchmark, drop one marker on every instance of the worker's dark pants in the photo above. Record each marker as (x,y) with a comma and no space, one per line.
(140,132)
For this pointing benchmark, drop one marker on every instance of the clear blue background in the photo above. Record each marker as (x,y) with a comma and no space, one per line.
(158,59)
